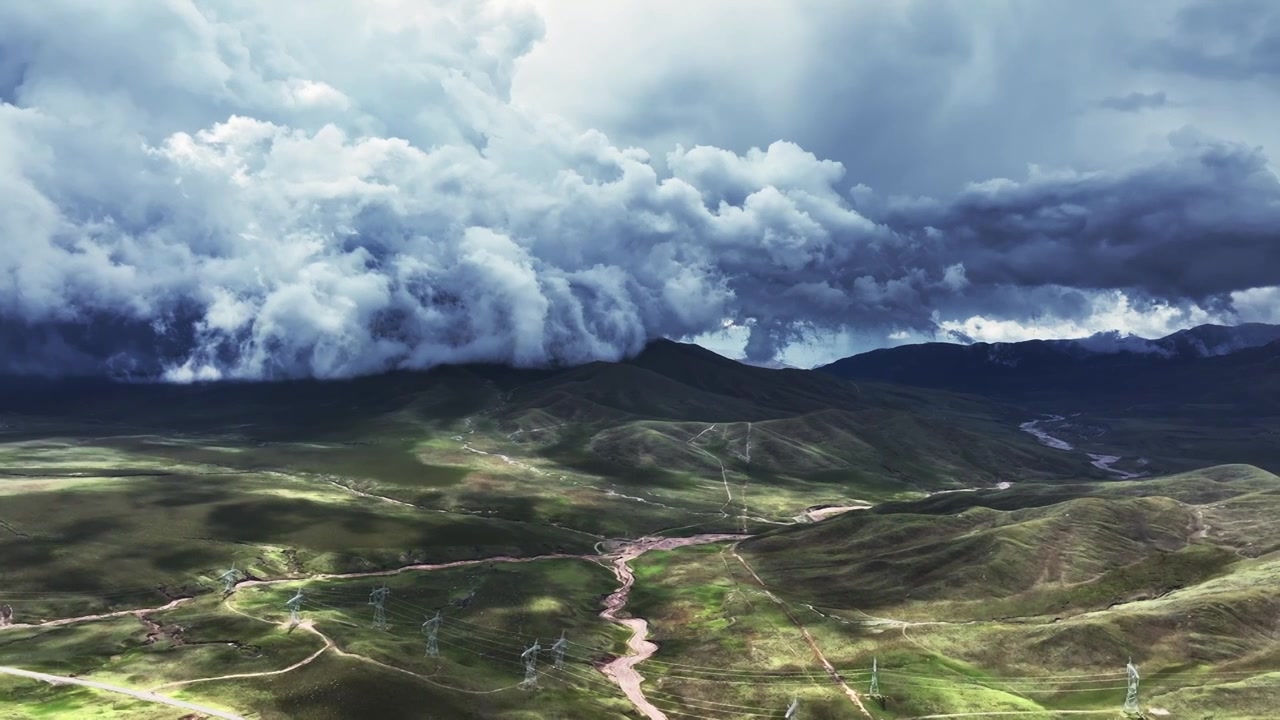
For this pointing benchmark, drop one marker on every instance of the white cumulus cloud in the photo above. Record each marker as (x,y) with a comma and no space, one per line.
(203,189)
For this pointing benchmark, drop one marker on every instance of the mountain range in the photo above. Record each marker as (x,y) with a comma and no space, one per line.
(925,415)
(958,547)
(1101,363)
(636,417)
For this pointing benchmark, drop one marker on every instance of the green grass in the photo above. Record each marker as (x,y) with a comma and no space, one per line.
(142,493)
(337,688)
(83,547)
(1069,557)
(514,605)
(480,644)
(713,626)
(30,700)
(1063,581)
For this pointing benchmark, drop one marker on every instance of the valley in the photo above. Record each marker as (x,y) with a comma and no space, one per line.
(711,540)
(635,360)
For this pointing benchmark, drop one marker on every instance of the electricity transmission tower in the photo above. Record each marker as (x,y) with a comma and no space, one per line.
(875,679)
(228,579)
(1131,697)
(378,599)
(792,709)
(431,628)
(294,603)
(530,658)
(558,648)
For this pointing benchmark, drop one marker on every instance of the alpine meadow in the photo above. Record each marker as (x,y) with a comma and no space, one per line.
(639,360)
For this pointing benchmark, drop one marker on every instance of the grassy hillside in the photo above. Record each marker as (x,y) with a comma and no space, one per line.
(1027,600)
(633,420)
(800,426)
(123,498)
(1028,550)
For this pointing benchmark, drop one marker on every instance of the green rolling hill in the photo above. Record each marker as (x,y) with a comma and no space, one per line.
(635,416)
(1178,572)
(1051,568)
(1030,549)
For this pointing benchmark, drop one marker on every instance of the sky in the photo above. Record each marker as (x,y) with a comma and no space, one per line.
(225,189)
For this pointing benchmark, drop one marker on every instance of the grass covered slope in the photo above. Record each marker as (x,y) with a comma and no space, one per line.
(983,563)
(1028,550)
(190,651)
(654,424)
(1182,573)
(126,498)
(783,424)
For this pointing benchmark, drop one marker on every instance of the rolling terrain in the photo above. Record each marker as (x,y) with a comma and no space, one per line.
(1104,363)
(986,591)
(1204,396)
(771,531)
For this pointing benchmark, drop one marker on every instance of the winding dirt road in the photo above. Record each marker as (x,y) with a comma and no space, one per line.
(144,695)
(62,622)
(419,567)
(328,645)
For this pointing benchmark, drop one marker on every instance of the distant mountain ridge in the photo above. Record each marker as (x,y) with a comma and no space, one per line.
(1199,341)
(980,367)
(1223,370)
(673,408)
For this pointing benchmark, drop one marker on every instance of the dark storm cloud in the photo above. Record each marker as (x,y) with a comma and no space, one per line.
(233,203)
(1229,39)
(1194,226)
(1199,225)
(1134,101)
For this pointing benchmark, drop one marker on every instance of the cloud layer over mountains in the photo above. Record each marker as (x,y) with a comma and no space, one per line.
(214,189)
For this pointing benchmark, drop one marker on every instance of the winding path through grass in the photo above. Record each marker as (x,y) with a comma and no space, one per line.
(143,695)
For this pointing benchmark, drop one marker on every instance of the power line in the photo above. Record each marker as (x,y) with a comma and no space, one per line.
(473,638)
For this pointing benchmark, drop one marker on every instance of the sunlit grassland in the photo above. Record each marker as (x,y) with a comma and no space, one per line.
(724,646)
(198,640)
(23,699)
(122,542)
(1045,604)
(480,644)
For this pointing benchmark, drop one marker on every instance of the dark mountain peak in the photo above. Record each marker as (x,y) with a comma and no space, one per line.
(664,355)
(1197,342)
(1210,340)
(663,347)
(1105,365)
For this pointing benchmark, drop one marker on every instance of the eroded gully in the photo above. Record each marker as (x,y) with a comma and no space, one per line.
(622,670)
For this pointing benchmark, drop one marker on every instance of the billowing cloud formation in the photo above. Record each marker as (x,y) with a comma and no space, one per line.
(241,196)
